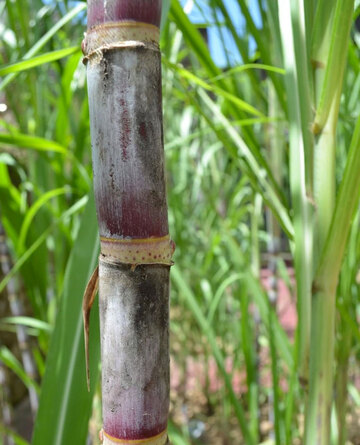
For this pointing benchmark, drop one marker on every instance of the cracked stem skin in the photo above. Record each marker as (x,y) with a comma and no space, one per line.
(124,87)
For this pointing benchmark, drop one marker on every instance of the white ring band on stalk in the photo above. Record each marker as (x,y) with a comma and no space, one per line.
(138,251)
(113,35)
(159,439)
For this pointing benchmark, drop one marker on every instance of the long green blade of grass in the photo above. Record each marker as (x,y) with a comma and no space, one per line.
(39,60)
(27,321)
(7,357)
(193,37)
(191,302)
(34,142)
(31,213)
(65,403)
(18,440)
(294,53)
(44,39)
(241,104)
(260,298)
(269,194)
(38,242)
(264,49)
(249,66)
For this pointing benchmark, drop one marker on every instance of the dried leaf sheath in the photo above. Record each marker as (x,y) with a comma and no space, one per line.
(88,301)
(124,86)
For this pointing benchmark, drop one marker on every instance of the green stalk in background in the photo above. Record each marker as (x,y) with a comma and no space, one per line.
(63,415)
(312,180)
(317,425)
(329,56)
(347,295)
(329,61)
(291,22)
(252,367)
(276,148)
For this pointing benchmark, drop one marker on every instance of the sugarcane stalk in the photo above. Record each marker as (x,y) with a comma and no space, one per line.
(124,87)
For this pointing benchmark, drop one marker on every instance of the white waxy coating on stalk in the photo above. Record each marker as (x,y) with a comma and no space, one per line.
(119,34)
(124,85)
(134,344)
(126,133)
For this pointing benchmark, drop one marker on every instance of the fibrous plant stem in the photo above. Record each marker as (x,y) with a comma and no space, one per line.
(124,85)
(291,20)
(328,60)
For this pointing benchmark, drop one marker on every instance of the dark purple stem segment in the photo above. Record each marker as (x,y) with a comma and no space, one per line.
(127,141)
(146,11)
(134,317)
(125,104)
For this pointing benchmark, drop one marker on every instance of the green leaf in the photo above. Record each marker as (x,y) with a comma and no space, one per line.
(27,321)
(207,330)
(30,214)
(25,141)
(241,104)
(38,242)
(44,39)
(65,403)
(265,51)
(301,162)
(8,358)
(219,293)
(175,435)
(265,187)
(18,440)
(249,66)
(261,300)
(193,38)
(36,61)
